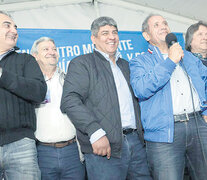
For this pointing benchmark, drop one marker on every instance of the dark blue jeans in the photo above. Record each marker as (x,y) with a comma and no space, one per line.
(167,160)
(60,163)
(132,164)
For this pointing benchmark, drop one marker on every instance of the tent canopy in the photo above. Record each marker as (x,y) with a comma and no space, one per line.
(78,14)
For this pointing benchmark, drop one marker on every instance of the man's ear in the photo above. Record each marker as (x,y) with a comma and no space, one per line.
(93,39)
(35,55)
(146,36)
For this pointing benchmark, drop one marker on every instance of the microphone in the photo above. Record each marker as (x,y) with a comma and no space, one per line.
(170,39)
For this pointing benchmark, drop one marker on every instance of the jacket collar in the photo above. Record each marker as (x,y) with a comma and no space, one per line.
(106,56)
(154,51)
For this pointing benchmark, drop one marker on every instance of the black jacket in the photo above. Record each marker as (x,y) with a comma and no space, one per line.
(22,85)
(90,100)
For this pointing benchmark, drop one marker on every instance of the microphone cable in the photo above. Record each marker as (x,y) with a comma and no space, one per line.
(195,115)
(170,40)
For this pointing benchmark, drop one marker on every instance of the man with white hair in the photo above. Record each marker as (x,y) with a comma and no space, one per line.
(57,149)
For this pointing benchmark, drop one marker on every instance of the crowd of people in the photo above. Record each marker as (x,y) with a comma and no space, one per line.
(107,118)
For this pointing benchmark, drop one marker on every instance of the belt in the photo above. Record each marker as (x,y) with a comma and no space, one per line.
(128,131)
(185,117)
(58,144)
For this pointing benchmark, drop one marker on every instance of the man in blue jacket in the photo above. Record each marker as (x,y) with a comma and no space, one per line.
(171,86)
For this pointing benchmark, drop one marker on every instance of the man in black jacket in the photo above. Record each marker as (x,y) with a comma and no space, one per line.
(98,99)
(22,86)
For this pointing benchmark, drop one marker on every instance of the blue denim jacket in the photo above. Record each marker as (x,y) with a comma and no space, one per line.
(150,79)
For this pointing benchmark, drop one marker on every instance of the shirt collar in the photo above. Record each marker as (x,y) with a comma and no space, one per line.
(117,55)
(59,71)
(2,55)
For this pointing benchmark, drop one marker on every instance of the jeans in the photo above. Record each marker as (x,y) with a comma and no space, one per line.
(18,161)
(60,163)
(167,160)
(132,164)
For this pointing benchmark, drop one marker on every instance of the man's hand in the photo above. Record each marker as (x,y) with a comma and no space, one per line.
(175,53)
(102,147)
(205,117)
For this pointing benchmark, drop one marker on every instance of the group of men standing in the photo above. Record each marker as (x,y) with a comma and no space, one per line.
(102,106)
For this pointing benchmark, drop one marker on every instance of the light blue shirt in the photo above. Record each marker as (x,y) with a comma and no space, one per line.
(2,55)
(124,97)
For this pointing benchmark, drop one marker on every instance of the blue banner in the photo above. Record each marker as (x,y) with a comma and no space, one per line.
(72,43)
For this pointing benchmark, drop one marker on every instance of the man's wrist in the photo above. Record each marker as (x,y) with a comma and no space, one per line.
(97,135)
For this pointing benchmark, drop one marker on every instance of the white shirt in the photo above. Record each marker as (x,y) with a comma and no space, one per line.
(52,124)
(181,94)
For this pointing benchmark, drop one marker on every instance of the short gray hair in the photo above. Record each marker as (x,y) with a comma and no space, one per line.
(190,32)
(145,25)
(5,13)
(37,42)
(102,21)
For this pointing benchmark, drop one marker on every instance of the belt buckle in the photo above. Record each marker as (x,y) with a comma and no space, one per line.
(187,118)
(61,145)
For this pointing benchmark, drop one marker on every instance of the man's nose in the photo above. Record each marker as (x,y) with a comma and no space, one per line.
(52,51)
(112,36)
(13,29)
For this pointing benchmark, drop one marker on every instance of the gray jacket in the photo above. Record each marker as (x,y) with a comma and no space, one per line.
(90,100)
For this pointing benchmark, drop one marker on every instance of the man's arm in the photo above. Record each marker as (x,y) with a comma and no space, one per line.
(203,71)
(146,79)
(75,92)
(30,85)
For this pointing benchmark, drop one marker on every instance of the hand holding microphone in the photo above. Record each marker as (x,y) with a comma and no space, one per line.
(175,52)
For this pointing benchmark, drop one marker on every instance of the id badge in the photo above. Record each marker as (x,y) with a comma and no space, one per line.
(47,97)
